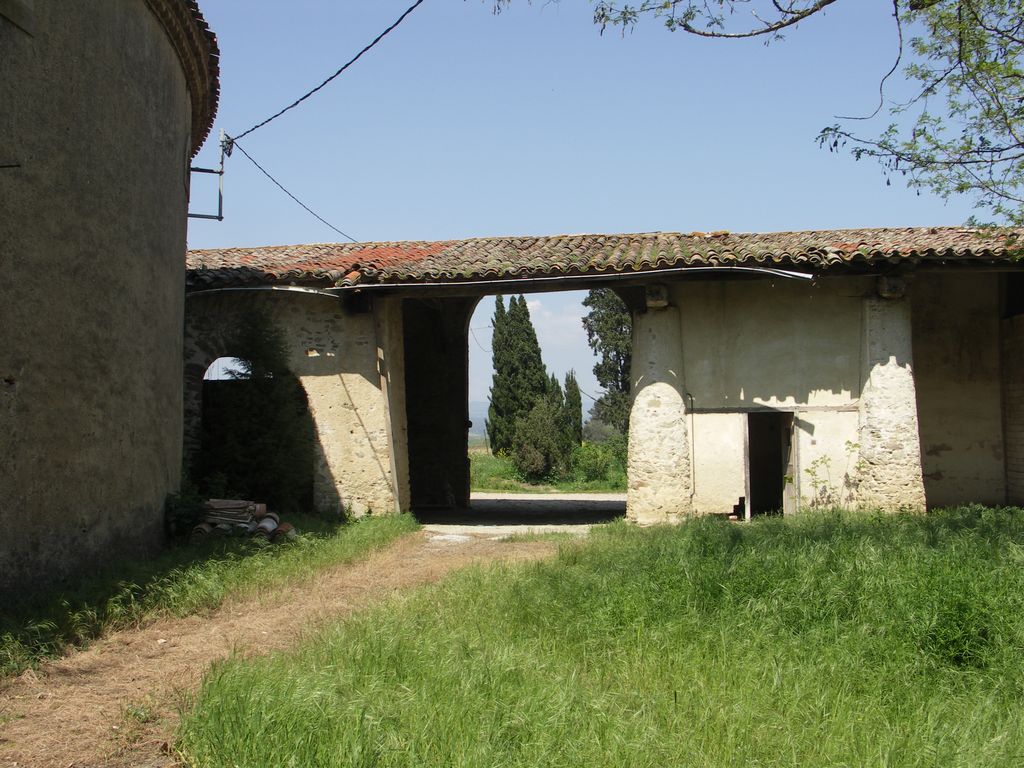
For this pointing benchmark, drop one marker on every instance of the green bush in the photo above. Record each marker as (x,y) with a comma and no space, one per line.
(591,462)
(540,450)
(595,462)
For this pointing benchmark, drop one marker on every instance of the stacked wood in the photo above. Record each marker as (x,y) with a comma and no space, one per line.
(242,517)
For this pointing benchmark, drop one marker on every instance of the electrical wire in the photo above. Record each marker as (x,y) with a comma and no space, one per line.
(293,197)
(473,333)
(348,64)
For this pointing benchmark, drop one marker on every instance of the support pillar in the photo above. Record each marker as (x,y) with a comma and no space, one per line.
(436,393)
(391,366)
(660,482)
(889,472)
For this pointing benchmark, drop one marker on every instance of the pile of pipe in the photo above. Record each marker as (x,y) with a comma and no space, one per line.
(238,517)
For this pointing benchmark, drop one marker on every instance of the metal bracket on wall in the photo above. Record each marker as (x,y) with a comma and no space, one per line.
(225,149)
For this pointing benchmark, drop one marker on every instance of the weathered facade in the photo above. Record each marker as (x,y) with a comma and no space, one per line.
(347,358)
(871,368)
(792,393)
(103,106)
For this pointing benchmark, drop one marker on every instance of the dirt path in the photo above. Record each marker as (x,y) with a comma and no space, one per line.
(115,704)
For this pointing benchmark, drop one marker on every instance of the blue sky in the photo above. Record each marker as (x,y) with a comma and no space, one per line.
(462,123)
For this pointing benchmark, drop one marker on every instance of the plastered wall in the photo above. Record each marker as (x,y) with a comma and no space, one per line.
(773,343)
(1013,403)
(956,356)
(784,345)
(95,115)
(346,361)
(831,353)
(825,458)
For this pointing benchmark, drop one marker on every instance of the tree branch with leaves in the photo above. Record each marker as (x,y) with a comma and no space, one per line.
(962,130)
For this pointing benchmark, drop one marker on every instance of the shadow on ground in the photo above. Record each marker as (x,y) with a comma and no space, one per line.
(531,510)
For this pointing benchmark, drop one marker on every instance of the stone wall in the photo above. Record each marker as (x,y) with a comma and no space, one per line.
(1013,407)
(97,129)
(660,484)
(340,358)
(829,355)
(956,360)
(889,461)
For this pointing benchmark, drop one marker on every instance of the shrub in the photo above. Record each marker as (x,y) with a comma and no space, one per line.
(539,448)
(600,461)
(591,462)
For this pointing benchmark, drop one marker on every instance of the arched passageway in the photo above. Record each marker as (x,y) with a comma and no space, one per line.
(336,352)
(773,370)
(258,439)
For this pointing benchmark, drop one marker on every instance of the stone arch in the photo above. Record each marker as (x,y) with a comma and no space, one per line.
(342,359)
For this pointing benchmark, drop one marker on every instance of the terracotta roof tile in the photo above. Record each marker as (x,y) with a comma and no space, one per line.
(513,258)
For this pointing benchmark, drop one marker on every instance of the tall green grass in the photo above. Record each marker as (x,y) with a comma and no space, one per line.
(831,639)
(179,581)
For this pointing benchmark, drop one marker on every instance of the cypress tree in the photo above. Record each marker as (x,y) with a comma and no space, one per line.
(555,395)
(573,408)
(499,421)
(520,379)
(609,327)
(531,374)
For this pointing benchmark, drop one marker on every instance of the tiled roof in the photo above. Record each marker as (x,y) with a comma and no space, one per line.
(500,258)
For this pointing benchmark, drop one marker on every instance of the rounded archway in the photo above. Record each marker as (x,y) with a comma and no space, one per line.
(257,439)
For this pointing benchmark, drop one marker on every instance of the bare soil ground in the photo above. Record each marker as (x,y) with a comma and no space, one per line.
(116,703)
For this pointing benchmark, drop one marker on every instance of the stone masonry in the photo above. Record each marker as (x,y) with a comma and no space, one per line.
(889,472)
(660,487)
(337,357)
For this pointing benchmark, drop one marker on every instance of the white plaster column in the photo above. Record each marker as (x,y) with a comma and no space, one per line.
(889,471)
(660,486)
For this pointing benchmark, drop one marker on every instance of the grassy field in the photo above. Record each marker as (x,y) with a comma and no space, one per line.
(179,581)
(497,474)
(831,639)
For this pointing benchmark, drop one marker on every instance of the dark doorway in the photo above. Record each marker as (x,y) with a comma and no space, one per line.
(769,441)
(436,335)
(258,442)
